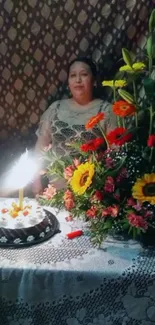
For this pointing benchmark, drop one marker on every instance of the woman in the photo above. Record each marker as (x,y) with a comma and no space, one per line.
(65,119)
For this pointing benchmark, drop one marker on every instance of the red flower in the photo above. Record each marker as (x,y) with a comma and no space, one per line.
(137,221)
(123,108)
(111,211)
(94,120)
(98,196)
(91,213)
(109,185)
(117,136)
(69,200)
(49,192)
(92,145)
(151,141)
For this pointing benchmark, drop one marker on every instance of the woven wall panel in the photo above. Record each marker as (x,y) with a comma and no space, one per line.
(37,40)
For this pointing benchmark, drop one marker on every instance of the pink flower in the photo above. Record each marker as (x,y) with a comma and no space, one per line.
(76,162)
(69,200)
(98,196)
(69,218)
(109,185)
(91,213)
(148,214)
(49,192)
(137,221)
(109,162)
(47,148)
(131,202)
(136,205)
(68,172)
(122,175)
(111,211)
(117,196)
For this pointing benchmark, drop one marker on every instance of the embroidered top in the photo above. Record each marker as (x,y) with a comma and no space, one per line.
(64,121)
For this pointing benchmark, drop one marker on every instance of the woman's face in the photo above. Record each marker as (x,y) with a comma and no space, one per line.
(80,80)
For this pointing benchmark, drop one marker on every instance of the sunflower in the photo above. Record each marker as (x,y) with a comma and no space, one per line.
(138,66)
(94,120)
(144,188)
(123,108)
(82,178)
(117,83)
(118,136)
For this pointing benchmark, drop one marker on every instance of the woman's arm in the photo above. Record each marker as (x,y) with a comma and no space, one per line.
(44,139)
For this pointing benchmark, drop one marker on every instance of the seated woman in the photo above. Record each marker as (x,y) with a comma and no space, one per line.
(65,119)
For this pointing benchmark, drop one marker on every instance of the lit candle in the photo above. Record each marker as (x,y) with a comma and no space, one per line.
(21,198)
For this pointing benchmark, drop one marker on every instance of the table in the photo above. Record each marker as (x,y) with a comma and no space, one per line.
(69,282)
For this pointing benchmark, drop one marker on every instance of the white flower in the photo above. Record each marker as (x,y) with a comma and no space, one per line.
(17,241)
(30,238)
(3,239)
(42,234)
(47,229)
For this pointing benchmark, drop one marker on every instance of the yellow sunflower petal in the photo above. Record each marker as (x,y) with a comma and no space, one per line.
(144,188)
(82,178)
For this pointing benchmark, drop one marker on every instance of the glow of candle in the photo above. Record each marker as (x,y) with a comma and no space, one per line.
(21,174)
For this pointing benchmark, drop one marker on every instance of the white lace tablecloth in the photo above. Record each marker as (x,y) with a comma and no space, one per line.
(69,282)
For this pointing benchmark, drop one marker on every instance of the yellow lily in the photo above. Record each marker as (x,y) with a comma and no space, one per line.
(114,83)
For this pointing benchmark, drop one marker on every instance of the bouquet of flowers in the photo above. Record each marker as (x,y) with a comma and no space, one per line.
(111,181)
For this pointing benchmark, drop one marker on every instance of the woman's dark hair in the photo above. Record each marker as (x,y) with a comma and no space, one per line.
(88,61)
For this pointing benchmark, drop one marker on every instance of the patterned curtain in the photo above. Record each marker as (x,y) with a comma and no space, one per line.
(37,40)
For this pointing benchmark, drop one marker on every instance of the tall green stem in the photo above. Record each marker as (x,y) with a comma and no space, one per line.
(135,99)
(114,97)
(104,136)
(151,119)
(150,65)
(124,128)
(151,154)
(150,56)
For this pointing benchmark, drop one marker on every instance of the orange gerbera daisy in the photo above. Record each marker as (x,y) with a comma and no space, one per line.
(94,120)
(123,108)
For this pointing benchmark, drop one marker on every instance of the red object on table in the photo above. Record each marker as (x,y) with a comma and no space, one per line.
(74,234)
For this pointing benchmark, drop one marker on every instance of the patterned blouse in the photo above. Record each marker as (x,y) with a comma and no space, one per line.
(64,121)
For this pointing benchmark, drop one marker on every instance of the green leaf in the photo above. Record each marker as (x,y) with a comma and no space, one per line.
(152,21)
(127,57)
(126,96)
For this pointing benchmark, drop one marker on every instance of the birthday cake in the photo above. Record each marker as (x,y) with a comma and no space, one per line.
(24,226)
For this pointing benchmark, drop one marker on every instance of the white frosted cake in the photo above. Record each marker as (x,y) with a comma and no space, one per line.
(19,226)
(12,217)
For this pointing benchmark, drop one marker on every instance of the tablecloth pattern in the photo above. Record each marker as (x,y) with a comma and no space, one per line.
(69,282)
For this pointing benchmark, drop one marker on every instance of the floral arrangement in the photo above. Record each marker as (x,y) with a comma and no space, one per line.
(111,182)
